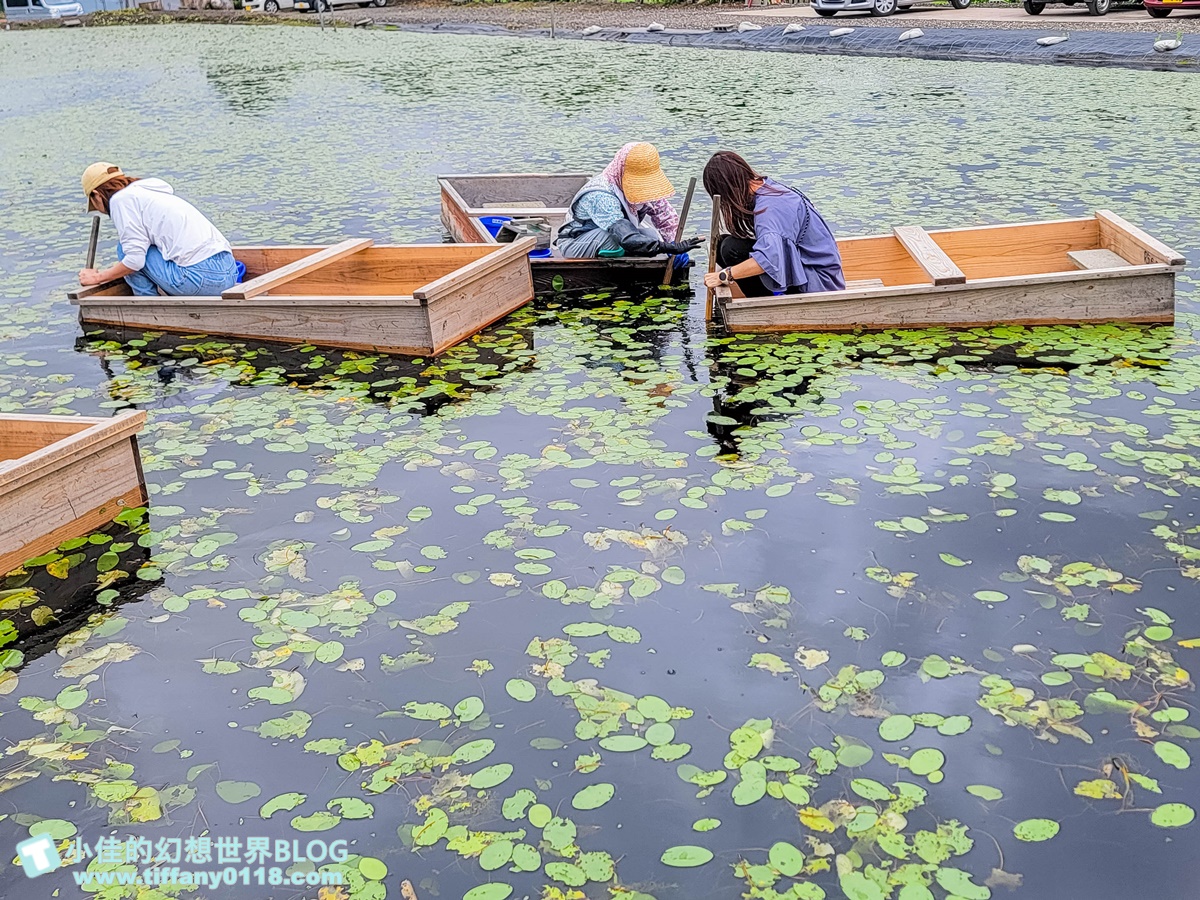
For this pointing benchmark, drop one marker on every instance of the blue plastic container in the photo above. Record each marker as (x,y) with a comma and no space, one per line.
(544,253)
(241,270)
(494,223)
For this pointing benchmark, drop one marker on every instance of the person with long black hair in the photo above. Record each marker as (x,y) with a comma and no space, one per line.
(775,242)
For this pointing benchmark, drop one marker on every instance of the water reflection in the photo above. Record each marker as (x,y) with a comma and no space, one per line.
(54,595)
(152,367)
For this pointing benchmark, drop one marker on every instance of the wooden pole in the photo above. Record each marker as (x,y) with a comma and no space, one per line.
(714,238)
(687,205)
(93,241)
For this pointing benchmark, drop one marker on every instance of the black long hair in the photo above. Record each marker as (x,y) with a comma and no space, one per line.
(729,176)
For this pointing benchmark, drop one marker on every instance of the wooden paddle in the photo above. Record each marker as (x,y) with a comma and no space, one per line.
(714,238)
(687,205)
(93,241)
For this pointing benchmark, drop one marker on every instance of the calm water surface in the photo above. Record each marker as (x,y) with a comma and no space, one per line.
(909,614)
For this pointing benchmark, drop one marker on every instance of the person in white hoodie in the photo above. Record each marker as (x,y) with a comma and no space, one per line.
(164,244)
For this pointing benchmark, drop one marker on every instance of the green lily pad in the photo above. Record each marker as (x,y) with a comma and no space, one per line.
(593,796)
(896,727)
(786,859)
(1173,815)
(521,690)
(496,890)
(237,791)
(318,821)
(1035,830)
(926,761)
(686,856)
(984,791)
(282,803)
(490,776)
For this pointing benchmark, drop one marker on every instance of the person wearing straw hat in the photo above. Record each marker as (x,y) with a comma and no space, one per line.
(624,211)
(164,244)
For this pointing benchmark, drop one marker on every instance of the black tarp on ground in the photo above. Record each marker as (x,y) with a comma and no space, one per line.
(1134,50)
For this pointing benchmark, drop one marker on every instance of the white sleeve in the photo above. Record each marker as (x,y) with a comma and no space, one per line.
(131,231)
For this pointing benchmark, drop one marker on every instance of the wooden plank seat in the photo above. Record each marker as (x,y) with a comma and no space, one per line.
(929,255)
(1097,259)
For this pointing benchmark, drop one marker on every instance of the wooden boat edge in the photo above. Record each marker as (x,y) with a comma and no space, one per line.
(102,432)
(64,461)
(911,290)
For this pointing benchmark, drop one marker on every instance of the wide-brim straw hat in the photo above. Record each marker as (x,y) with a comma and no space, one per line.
(643,179)
(96,174)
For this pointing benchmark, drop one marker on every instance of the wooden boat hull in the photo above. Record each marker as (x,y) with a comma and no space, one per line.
(63,477)
(466,198)
(1098,269)
(414,299)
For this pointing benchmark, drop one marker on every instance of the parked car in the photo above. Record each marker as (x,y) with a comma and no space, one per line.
(311,5)
(828,8)
(1095,7)
(268,6)
(43,9)
(1160,9)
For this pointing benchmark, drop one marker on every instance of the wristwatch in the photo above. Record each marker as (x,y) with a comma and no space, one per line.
(724,277)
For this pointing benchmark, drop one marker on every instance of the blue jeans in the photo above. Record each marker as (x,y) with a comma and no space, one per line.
(207,278)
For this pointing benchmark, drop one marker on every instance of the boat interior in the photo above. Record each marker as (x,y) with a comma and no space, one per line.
(23,435)
(385,271)
(545,197)
(912,256)
(376,271)
(492,192)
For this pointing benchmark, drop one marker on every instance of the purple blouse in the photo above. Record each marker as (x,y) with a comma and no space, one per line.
(792,243)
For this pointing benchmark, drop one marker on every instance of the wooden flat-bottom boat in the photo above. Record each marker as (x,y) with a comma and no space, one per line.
(1096,269)
(415,299)
(468,199)
(63,477)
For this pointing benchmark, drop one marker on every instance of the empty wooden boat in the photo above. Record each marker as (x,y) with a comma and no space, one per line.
(416,299)
(62,477)
(469,200)
(1095,269)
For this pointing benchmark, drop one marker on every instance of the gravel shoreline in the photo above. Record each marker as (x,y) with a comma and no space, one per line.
(576,16)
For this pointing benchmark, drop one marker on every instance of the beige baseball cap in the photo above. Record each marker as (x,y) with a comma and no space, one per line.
(95,175)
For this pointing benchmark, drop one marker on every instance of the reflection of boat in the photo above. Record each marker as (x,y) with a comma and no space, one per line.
(417,299)
(468,199)
(66,584)
(168,363)
(1097,269)
(63,476)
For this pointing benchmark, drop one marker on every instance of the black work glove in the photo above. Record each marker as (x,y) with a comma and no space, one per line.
(636,242)
(677,247)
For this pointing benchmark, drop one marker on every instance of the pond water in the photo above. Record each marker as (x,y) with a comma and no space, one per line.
(599,595)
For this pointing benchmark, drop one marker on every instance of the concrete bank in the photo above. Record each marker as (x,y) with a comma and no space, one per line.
(1131,50)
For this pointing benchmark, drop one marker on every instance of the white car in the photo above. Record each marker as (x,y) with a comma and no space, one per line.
(311,5)
(43,9)
(269,6)
(828,8)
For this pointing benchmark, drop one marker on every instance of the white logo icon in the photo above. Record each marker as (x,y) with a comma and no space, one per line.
(38,855)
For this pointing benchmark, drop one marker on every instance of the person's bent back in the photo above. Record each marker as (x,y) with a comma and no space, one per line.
(164,244)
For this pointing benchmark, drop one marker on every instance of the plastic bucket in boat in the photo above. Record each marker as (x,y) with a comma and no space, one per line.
(494,223)
(543,253)
(241,270)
